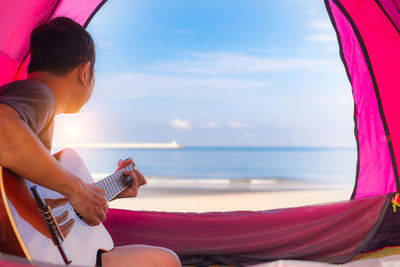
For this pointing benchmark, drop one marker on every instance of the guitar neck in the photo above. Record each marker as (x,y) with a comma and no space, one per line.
(116,182)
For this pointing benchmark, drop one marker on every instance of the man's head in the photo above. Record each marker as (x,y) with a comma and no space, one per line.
(60,45)
(63,52)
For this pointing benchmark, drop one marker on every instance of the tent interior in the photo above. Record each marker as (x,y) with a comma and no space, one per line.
(368,34)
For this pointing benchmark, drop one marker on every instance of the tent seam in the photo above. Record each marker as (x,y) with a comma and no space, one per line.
(374,229)
(89,19)
(329,10)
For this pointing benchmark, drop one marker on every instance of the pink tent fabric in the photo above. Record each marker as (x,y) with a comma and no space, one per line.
(19,17)
(369,42)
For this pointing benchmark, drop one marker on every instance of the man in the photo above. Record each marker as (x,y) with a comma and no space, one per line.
(61,80)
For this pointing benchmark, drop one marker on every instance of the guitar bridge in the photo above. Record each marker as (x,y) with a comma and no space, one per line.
(51,222)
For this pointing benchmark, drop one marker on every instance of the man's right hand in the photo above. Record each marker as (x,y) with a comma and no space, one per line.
(90,202)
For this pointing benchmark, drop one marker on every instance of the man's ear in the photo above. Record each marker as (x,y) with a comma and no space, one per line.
(84,73)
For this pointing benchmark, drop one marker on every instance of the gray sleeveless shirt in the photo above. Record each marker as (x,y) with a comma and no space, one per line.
(35,103)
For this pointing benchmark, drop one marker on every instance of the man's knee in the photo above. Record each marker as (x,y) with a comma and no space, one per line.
(168,258)
(139,256)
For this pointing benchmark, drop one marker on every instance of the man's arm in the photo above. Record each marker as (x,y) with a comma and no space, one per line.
(23,153)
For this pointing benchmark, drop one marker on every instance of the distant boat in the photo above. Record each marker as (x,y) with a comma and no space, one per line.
(171,145)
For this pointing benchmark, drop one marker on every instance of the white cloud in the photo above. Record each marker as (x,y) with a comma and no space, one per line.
(211,125)
(179,124)
(323,25)
(324,32)
(325,38)
(248,134)
(233,63)
(237,125)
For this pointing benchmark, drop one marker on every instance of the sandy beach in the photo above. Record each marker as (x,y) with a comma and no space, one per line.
(205,200)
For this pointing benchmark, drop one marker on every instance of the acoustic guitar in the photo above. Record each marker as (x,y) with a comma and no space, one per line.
(41,225)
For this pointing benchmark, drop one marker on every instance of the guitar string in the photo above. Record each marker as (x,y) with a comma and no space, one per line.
(118,183)
(109,192)
(112,185)
(114,181)
(104,186)
(121,184)
(109,187)
(51,222)
(116,173)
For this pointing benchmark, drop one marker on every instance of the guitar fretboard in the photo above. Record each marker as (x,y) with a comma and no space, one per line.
(116,182)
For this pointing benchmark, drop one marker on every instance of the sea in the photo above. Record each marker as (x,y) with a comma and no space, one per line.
(233,168)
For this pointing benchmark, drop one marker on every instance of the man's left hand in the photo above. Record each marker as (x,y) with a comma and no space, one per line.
(137,180)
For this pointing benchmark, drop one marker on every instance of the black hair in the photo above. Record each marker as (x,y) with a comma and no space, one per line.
(60,45)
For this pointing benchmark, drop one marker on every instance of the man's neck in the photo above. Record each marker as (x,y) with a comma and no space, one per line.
(57,84)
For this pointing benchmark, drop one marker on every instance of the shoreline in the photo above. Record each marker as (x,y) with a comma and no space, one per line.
(216,200)
(266,184)
(242,185)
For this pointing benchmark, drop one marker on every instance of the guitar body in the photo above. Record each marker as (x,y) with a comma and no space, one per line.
(26,232)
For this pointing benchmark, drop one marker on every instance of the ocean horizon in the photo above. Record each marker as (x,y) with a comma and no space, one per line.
(254,168)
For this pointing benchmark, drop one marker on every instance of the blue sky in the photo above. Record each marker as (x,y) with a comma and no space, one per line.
(215,73)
